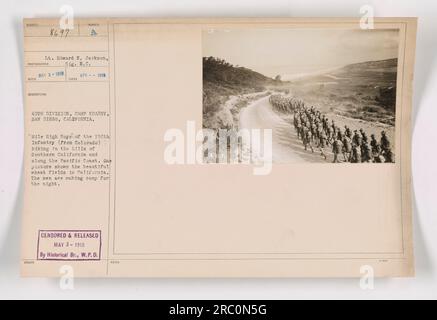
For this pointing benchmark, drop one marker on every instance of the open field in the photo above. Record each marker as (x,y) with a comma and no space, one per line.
(365,91)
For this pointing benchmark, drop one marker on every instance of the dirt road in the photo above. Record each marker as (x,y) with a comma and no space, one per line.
(287,148)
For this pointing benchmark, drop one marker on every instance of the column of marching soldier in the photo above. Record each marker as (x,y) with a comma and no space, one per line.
(316,131)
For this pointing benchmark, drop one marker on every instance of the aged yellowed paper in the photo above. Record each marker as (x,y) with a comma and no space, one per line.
(218,147)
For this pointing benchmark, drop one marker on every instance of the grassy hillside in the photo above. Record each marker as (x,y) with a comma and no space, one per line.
(222,80)
(364,90)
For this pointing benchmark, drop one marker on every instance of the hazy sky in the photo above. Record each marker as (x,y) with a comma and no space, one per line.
(291,51)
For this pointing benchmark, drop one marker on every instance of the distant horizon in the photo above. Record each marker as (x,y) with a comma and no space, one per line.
(301,73)
(273,52)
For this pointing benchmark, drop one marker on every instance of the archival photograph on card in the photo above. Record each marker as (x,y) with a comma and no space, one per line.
(323,95)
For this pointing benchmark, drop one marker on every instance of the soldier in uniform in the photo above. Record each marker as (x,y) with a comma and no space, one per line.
(376,151)
(388,156)
(304,136)
(357,139)
(339,133)
(325,123)
(302,131)
(336,149)
(319,130)
(347,131)
(322,143)
(365,153)
(373,144)
(297,125)
(334,133)
(299,130)
(314,132)
(365,138)
(329,135)
(308,140)
(347,148)
(385,143)
(355,154)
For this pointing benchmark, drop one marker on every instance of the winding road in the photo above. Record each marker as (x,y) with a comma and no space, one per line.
(287,148)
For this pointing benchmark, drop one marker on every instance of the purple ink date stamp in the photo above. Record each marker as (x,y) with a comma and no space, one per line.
(69,245)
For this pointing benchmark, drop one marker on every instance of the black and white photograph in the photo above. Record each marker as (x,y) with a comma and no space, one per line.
(224,157)
(328,95)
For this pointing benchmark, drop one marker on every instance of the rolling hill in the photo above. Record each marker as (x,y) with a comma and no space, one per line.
(222,80)
(365,90)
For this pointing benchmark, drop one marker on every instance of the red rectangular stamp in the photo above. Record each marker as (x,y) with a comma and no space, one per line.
(69,245)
